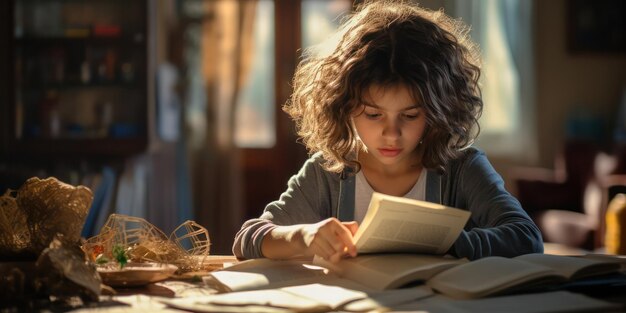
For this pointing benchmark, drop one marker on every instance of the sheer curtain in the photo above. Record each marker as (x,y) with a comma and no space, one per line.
(503,29)
(219,64)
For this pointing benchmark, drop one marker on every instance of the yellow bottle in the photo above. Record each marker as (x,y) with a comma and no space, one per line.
(615,236)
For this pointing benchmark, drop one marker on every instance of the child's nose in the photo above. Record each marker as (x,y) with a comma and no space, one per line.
(392,129)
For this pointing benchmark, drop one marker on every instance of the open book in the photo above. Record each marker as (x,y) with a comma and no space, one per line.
(293,285)
(300,298)
(497,275)
(369,272)
(396,224)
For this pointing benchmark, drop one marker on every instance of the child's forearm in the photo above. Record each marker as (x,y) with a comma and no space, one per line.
(283,242)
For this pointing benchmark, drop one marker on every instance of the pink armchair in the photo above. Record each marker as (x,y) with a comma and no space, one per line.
(569,203)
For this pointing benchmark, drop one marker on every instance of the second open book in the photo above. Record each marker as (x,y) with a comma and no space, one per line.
(461,279)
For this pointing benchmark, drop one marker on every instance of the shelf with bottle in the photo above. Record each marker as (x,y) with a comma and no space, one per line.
(96,19)
(80,114)
(133,41)
(62,67)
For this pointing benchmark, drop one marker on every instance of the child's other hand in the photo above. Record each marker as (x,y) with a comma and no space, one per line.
(330,239)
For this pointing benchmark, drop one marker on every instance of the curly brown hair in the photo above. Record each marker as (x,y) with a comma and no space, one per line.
(388,43)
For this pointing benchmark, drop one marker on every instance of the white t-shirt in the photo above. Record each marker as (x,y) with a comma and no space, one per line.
(363,193)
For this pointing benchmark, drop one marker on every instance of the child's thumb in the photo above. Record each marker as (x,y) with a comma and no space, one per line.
(352,226)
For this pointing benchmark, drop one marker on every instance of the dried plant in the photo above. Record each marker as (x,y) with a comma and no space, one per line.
(42,209)
(186,247)
(14,235)
(52,207)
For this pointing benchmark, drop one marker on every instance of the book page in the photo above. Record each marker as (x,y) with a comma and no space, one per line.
(383,300)
(388,271)
(301,298)
(395,224)
(270,300)
(264,274)
(491,275)
(619,259)
(573,267)
(332,296)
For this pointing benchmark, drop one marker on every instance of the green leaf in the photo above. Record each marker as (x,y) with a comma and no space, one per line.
(120,255)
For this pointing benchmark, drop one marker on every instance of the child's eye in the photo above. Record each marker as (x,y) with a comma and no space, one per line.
(372,115)
(411,116)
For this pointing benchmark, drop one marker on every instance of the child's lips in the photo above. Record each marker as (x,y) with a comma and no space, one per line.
(389,152)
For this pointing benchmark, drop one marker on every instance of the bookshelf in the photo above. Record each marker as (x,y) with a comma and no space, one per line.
(75,92)
(77,80)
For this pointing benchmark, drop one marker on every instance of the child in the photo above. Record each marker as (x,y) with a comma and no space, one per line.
(392,109)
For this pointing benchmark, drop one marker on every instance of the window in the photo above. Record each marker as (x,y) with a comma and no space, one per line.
(503,31)
(255,125)
(320,19)
(255,114)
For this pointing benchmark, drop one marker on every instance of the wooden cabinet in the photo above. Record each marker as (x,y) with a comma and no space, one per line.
(76,80)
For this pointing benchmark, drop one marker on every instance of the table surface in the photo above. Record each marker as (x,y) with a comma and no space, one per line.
(147,298)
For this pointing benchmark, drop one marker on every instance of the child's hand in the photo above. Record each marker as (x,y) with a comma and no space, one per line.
(330,239)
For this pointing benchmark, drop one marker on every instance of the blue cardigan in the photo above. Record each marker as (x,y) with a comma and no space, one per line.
(498,224)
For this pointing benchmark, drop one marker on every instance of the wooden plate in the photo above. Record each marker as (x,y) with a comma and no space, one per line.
(136,274)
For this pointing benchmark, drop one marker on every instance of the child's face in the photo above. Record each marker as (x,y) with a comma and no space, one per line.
(391,124)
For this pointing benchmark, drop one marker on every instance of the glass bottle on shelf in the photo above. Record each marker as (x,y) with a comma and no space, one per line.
(49,118)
